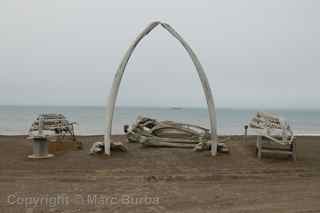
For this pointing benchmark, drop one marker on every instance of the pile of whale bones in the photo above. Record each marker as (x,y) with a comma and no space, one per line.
(152,133)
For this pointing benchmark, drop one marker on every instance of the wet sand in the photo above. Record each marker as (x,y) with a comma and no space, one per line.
(159,179)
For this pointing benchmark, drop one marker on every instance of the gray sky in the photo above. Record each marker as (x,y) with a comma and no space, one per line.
(255,53)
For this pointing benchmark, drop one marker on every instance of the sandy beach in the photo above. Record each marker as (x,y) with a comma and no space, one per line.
(159,179)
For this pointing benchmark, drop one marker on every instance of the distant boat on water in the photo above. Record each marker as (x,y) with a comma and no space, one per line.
(176,108)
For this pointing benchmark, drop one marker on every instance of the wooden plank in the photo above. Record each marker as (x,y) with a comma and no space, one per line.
(276,151)
(259,146)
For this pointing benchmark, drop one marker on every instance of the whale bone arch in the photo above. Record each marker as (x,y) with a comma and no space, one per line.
(120,71)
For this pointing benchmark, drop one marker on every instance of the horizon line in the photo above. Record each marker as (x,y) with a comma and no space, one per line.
(163,107)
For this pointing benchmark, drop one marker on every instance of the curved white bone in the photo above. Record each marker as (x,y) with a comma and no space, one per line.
(120,71)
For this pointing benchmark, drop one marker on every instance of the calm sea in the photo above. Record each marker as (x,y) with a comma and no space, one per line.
(91,120)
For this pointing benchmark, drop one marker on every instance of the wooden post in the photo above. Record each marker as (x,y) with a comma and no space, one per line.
(294,150)
(259,146)
(126,128)
(245,133)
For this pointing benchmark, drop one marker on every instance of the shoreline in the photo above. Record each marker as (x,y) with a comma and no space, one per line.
(91,120)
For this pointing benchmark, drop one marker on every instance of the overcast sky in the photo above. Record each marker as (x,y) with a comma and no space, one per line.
(255,53)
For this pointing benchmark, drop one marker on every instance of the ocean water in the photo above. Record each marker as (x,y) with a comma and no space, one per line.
(15,120)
